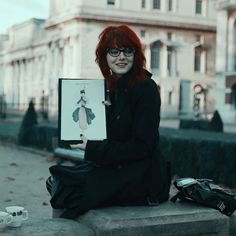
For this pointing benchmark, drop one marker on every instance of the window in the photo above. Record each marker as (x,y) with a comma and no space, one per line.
(157,4)
(198,8)
(197,60)
(169,61)
(143,4)
(111,2)
(170,5)
(169,97)
(142,33)
(169,35)
(155,57)
(198,38)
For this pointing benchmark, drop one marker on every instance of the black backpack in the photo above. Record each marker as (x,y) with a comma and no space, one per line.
(205,192)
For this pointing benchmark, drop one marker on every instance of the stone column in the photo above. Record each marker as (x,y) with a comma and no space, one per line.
(48,69)
(221,40)
(76,56)
(163,66)
(30,82)
(9,84)
(22,82)
(148,56)
(221,58)
(66,58)
(1,79)
(60,58)
(16,76)
(149,4)
(231,50)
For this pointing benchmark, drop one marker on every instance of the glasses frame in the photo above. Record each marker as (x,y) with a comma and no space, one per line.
(130,54)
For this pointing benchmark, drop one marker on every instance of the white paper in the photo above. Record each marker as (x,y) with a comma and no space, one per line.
(90,108)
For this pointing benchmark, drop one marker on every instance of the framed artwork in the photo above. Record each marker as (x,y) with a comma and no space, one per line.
(81,110)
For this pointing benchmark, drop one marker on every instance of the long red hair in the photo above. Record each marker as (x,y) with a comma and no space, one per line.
(120,36)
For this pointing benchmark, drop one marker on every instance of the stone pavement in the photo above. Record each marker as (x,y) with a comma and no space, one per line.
(23,172)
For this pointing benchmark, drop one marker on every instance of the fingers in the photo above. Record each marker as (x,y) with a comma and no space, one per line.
(83,138)
(80,145)
(75,145)
(106,103)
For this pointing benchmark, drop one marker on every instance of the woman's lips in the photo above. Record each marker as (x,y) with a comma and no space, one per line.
(121,64)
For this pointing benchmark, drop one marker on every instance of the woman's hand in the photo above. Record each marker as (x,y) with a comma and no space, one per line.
(80,145)
(106,103)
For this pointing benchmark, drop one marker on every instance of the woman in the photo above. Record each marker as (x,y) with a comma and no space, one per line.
(125,169)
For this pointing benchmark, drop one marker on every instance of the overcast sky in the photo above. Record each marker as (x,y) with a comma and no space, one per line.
(17,11)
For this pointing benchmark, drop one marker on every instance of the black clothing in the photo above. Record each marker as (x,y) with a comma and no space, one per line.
(127,168)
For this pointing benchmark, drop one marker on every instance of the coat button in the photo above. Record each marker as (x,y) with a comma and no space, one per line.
(118,117)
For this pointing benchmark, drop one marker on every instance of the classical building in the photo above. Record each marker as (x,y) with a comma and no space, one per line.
(226,60)
(178,37)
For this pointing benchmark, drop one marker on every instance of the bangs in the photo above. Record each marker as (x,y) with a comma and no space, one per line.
(119,39)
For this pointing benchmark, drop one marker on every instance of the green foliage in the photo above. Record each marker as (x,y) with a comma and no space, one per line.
(200,154)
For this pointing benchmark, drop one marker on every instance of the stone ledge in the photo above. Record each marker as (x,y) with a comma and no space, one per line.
(232,225)
(165,220)
(168,219)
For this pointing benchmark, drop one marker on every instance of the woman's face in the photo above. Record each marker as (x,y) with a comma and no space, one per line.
(120,60)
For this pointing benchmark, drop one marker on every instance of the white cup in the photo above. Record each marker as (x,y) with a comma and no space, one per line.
(5,219)
(18,213)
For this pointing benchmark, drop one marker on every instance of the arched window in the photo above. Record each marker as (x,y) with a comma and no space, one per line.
(156,57)
(200,58)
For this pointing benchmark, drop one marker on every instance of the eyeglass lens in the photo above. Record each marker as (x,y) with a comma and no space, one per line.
(115,52)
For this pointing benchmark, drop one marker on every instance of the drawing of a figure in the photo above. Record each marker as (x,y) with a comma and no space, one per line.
(82,114)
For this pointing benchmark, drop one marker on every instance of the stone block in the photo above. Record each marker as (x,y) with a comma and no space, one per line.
(232,225)
(168,219)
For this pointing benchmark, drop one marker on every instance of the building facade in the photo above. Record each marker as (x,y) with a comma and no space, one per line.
(226,60)
(178,37)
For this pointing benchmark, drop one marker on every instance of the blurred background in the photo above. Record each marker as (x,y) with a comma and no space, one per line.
(190,47)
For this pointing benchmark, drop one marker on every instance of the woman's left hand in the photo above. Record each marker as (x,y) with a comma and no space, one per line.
(80,145)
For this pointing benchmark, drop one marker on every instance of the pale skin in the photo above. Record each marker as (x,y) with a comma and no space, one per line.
(119,65)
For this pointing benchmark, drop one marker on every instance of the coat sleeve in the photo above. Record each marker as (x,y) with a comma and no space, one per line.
(144,134)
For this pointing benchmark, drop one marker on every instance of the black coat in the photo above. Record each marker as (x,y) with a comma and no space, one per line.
(129,170)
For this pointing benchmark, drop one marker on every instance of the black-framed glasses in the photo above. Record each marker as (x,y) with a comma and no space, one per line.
(115,52)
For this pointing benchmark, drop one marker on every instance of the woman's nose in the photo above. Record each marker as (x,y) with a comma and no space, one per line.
(121,56)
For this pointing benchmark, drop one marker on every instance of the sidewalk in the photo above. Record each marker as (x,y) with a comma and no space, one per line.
(23,174)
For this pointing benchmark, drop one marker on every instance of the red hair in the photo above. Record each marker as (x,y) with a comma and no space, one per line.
(120,36)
